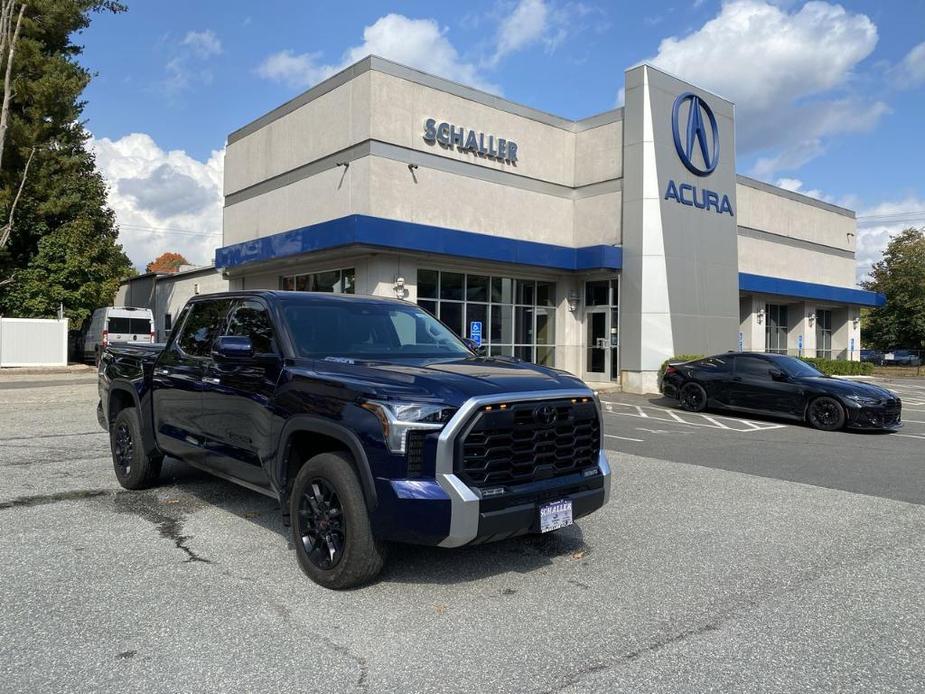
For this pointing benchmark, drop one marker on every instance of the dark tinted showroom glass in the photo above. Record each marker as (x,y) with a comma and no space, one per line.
(202,326)
(753,367)
(476,288)
(451,286)
(427,284)
(250,319)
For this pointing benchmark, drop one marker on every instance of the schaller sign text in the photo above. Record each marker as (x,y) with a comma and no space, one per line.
(466,140)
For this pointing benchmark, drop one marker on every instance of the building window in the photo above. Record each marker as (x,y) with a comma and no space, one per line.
(517,317)
(776,328)
(331,281)
(824,334)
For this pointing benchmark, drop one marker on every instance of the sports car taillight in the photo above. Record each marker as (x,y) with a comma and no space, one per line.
(670,370)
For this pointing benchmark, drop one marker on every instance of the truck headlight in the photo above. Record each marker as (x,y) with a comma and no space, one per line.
(398,418)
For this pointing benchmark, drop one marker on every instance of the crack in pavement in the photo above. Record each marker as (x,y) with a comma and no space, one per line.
(738,609)
(42,499)
(169,523)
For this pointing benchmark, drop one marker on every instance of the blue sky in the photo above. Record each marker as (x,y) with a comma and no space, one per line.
(829,97)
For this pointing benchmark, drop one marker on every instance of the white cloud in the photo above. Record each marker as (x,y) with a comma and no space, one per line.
(418,43)
(204,43)
(163,200)
(526,25)
(787,72)
(878,224)
(911,71)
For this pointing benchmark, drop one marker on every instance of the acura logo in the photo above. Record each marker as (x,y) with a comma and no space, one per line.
(695,134)
(545,414)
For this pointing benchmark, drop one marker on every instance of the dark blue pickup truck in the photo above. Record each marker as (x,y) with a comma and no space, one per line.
(366,418)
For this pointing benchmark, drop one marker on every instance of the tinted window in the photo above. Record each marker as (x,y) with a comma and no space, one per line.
(753,367)
(129,326)
(713,364)
(797,367)
(250,319)
(202,326)
(369,331)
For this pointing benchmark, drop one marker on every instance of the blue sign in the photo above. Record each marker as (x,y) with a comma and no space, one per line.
(695,132)
(475,332)
(741,342)
(800,342)
(851,345)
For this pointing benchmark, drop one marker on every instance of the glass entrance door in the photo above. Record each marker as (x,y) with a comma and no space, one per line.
(601,331)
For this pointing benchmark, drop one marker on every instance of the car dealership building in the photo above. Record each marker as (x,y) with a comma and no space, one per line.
(601,246)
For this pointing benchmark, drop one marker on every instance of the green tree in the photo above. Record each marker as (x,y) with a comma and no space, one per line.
(63,246)
(900,275)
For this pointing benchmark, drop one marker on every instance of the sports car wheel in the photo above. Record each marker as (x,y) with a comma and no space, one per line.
(826,414)
(693,397)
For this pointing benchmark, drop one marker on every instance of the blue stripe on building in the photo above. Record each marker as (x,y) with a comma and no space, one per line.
(366,231)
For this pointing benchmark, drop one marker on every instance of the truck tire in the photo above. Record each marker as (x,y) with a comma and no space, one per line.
(331,531)
(134,469)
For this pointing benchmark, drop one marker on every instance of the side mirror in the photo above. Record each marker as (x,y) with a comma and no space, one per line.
(480,350)
(232,347)
(778,375)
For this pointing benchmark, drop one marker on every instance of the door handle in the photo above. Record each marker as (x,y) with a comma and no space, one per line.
(737,379)
(211,379)
(162,372)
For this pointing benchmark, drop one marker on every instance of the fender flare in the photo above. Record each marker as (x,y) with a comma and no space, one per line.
(317,425)
(147,435)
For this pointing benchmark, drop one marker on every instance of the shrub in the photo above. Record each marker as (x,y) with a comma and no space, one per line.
(839,367)
(677,359)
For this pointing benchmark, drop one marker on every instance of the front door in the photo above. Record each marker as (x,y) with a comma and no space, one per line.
(601,344)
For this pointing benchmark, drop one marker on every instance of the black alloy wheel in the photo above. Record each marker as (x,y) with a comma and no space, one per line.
(693,397)
(331,530)
(134,468)
(826,414)
(123,449)
(322,525)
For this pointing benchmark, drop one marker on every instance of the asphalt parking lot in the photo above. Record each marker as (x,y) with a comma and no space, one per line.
(736,555)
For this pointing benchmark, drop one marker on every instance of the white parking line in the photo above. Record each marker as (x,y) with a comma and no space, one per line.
(691,419)
(911,436)
(623,438)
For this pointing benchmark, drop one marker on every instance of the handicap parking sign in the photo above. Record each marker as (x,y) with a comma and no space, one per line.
(475,332)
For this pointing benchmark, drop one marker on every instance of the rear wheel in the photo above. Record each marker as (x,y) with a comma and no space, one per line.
(826,414)
(693,397)
(134,469)
(331,532)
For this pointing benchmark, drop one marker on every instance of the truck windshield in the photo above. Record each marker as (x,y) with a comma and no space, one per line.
(355,330)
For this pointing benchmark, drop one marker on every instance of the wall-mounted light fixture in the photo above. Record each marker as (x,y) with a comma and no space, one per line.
(811,317)
(573,300)
(399,288)
(345,164)
(857,321)
(760,316)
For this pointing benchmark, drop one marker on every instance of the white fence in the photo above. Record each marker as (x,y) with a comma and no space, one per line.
(33,342)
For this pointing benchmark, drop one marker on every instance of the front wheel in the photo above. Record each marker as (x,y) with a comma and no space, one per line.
(133,467)
(693,397)
(331,532)
(826,414)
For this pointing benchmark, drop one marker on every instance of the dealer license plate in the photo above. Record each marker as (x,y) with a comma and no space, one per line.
(556,515)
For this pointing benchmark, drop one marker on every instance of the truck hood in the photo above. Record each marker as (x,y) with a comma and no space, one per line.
(451,381)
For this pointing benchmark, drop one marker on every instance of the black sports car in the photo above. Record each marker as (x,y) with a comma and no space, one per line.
(782,386)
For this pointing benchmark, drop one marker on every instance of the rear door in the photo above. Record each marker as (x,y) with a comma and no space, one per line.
(238,422)
(134,326)
(177,378)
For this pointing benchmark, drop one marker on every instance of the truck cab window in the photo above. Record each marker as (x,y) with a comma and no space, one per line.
(202,326)
(250,319)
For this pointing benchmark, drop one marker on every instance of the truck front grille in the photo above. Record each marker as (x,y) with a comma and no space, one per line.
(527,442)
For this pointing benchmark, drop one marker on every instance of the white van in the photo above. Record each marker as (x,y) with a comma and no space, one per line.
(117,324)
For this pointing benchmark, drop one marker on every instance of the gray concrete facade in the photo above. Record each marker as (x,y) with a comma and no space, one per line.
(358,144)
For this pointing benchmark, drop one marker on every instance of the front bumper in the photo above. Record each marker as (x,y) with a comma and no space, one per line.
(878,417)
(448,513)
